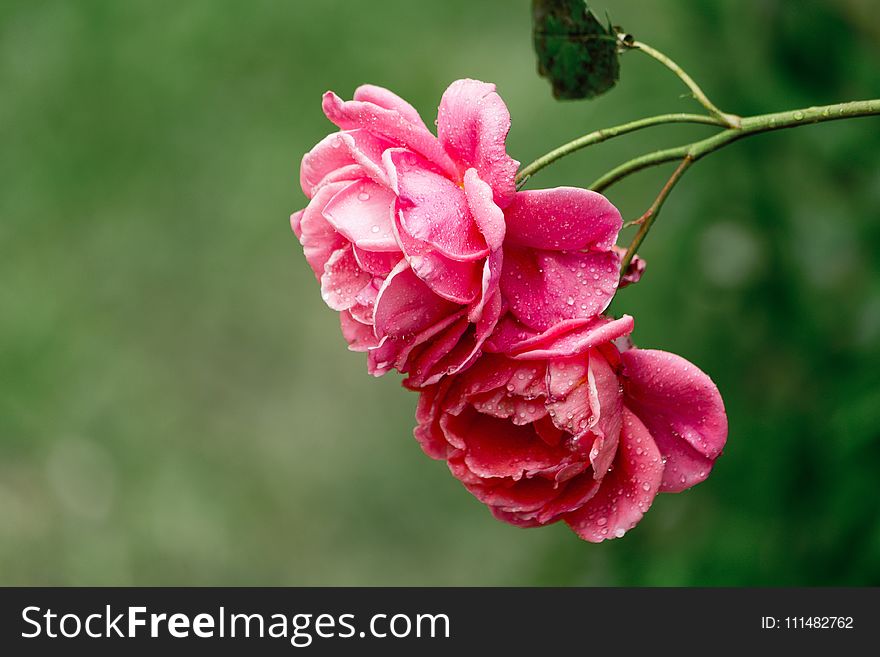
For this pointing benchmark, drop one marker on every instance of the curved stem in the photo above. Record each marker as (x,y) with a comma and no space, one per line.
(647,219)
(730,120)
(637,164)
(749,126)
(598,136)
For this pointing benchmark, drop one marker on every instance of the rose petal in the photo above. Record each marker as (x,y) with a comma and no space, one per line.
(406,306)
(376,262)
(318,238)
(544,288)
(628,490)
(296,223)
(342,279)
(560,343)
(497,448)
(428,369)
(573,496)
(433,210)
(592,403)
(458,282)
(488,217)
(365,301)
(359,336)
(363,213)
(472,124)
(428,431)
(389,100)
(396,351)
(350,155)
(682,409)
(488,373)
(389,124)
(519,503)
(560,219)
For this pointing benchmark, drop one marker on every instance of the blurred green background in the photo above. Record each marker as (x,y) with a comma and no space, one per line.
(176,402)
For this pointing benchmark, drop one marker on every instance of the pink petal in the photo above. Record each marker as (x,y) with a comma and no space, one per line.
(376,262)
(423,368)
(571,338)
(544,288)
(318,238)
(406,306)
(456,428)
(396,351)
(628,490)
(433,363)
(363,213)
(296,223)
(564,375)
(496,403)
(574,495)
(592,404)
(608,414)
(489,291)
(489,372)
(433,210)
(488,216)
(547,431)
(518,504)
(359,336)
(527,411)
(389,124)
(682,409)
(365,301)
(382,97)
(327,156)
(634,270)
(472,124)
(343,156)
(498,448)
(562,219)
(428,431)
(458,282)
(342,279)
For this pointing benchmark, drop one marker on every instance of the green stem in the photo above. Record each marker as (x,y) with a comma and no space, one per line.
(647,219)
(749,126)
(730,120)
(607,133)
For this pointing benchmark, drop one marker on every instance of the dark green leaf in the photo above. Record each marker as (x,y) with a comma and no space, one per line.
(576,52)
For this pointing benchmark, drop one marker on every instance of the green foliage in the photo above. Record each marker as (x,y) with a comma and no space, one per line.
(576,52)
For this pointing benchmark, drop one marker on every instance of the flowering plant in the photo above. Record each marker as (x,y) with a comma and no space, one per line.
(490,298)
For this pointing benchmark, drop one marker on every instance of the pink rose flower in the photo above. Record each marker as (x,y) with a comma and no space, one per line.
(404,229)
(422,243)
(567,426)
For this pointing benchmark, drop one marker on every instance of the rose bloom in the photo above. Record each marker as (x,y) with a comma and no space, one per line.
(574,425)
(422,243)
